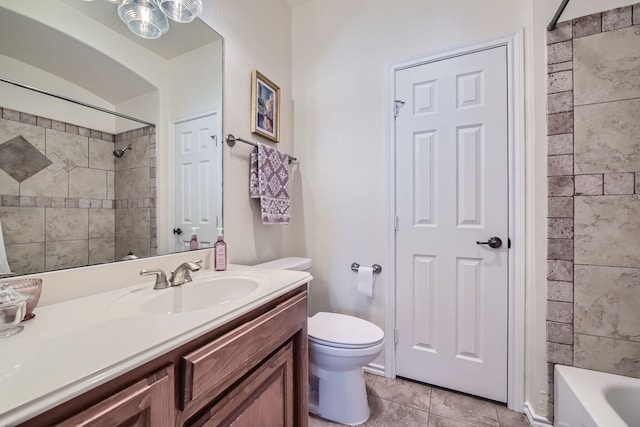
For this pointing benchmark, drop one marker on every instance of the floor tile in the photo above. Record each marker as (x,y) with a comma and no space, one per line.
(436,421)
(463,408)
(370,380)
(385,413)
(404,392)
(509,418)
(320,422)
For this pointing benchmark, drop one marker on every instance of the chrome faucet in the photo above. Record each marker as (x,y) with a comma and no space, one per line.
(180,276)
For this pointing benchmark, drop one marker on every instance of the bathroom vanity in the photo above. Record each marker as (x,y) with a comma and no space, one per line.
(173,357)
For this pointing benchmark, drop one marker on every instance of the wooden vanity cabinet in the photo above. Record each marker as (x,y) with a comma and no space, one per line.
(251,371)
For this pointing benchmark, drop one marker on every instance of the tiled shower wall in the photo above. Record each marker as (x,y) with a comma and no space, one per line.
(58,186)
(593,107)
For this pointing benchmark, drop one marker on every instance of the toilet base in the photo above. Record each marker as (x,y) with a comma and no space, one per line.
(339,396)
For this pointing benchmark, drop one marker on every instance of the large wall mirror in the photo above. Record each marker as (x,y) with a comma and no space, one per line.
(80,186)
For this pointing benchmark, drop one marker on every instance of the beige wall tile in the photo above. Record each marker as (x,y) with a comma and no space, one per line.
(132,183)
(102,223)
(88,183)
(607,355)
(46,184)
(34,134)
(589,185)
(587,25)
(607,67)
(560,228)
(560,291)
(133,223)
(559,102)
(72,149)
(560,81)
(560,52)
(619,183)
(111,185)
(607,230)
(102,250)
(8,185)
(560,207)
(561,248)
(561,312)
(616,18)
(607,302)
(22,225)
(560,353)
(66,254)
(560,165)
(561,333)
(560,66)
(560,186)
(606,137)
(560,270)
(67,224)
(26,258)
(101,154)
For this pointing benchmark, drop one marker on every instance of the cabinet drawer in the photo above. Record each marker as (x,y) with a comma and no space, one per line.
(213,368)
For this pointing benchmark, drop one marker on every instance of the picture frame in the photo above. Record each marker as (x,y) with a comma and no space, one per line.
(265,107)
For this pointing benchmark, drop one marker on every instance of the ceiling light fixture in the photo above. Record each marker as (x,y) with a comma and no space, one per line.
(143,17)
(182,11)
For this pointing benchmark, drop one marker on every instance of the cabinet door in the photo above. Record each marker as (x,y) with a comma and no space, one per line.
(264,399)
(149,402)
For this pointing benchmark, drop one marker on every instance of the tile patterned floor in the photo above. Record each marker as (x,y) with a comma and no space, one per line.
(402,403)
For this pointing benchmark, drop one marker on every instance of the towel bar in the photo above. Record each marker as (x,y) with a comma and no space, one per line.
(231,141)
(376,268)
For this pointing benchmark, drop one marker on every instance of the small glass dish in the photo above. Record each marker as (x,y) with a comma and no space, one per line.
(31,286)
(13,306)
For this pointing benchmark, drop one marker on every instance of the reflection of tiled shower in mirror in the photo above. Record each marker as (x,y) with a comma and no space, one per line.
(67,201)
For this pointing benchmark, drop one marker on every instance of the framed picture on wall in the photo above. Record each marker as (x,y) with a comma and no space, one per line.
(265,107)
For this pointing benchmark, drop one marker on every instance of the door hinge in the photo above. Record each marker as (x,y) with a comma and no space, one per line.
(395,223)
(395,336)
(396,107)
(215,139)
(509,243)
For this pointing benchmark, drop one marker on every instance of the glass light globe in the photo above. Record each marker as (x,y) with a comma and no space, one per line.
(143,17)
(181,10)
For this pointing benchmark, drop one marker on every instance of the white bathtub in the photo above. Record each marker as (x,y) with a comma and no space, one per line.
(585,398)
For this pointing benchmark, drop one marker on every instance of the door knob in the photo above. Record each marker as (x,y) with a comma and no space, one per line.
(177,231)
(494,242)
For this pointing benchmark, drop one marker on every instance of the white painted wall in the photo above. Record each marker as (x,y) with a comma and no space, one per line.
(341,54)
(257,35)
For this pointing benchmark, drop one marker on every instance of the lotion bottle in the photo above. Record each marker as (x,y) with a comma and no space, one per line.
(193,244)
(220,252)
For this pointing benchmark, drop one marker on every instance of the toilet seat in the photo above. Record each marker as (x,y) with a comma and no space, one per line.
(343,331)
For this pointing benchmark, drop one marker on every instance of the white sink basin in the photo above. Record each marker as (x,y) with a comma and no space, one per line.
(199,295)
(204,292)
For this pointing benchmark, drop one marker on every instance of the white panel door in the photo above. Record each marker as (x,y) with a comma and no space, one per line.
(196,180)
(451,154)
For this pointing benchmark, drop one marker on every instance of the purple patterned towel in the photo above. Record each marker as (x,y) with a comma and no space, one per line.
(269,181)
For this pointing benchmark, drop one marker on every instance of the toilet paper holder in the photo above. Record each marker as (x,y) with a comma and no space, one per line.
(376,268)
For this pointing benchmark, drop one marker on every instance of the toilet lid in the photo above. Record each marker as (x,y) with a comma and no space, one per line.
(342,330)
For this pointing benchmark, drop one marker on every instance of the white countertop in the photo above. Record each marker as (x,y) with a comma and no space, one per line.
(74,346)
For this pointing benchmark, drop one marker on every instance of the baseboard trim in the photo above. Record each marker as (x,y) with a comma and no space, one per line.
(535,420)
(374,368)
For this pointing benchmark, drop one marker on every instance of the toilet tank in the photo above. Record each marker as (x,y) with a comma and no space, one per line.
(290,263)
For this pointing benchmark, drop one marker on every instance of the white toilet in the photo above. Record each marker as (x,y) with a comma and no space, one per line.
(339,346)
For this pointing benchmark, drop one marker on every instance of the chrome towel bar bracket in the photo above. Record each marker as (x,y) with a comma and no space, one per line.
(231,141)
(376,268)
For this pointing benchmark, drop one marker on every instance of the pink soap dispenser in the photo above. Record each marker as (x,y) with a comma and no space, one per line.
(220,252)
(193,244)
